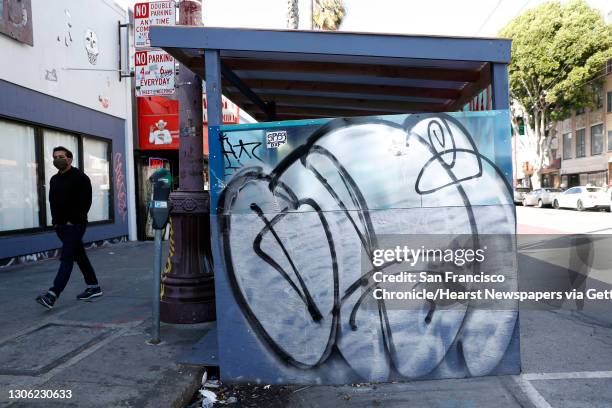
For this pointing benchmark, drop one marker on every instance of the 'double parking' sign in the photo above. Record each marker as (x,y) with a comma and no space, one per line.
(148,14)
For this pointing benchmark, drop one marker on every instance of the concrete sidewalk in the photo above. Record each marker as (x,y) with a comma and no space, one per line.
(98,349)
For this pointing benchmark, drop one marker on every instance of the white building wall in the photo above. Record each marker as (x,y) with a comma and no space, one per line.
(58,63)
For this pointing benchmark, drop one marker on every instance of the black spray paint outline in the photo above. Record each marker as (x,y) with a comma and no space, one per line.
(368,238)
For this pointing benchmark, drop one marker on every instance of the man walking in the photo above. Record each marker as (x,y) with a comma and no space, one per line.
(70,199)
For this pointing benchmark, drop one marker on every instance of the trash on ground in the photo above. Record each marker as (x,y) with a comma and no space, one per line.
(212,384)
(208,398)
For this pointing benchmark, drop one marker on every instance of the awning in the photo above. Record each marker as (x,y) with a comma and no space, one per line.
(282,75)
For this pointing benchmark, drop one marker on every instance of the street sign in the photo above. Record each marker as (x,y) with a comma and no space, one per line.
(229,110)
(148,14)
(154,73)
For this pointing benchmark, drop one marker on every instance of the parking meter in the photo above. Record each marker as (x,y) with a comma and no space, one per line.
(161,186)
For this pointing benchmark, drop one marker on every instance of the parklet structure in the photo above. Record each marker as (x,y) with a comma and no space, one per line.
(369,139)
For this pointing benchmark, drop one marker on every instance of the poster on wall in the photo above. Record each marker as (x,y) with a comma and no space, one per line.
(154,73)
(16,20)
(158,123)
(148,14)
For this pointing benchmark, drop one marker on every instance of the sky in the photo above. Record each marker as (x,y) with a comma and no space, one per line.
(481,18)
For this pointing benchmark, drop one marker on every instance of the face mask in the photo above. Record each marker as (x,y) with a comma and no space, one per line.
(60,164)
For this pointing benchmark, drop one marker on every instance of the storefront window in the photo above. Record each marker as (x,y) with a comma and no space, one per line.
(597,179)
(610,140)
(596,139)
(53,139)
(580,143)
(567,146)
(18,177)
(96,166)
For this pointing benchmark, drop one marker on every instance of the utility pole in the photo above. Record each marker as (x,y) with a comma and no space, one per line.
(188,285)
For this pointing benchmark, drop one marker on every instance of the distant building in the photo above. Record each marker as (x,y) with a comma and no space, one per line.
(585,143)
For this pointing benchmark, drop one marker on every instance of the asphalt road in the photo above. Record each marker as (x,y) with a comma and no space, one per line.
(532,220)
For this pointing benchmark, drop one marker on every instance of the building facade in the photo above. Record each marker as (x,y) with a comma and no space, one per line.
(585,143)
(61,84)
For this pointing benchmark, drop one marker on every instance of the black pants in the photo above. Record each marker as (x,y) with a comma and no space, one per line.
(72,250)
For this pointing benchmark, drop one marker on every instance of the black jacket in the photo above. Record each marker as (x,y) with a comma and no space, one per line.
(70,197)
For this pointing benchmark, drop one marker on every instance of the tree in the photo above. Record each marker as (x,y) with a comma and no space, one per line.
(327,14)
(293,14)
(559,53)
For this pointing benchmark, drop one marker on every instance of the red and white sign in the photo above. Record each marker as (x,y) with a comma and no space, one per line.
(148,14)
(230,111)
(158,123)
(154,73)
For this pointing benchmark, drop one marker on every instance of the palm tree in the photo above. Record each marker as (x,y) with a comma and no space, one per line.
(327,14)
(293,15)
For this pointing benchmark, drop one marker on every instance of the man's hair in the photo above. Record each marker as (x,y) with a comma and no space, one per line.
(62,148)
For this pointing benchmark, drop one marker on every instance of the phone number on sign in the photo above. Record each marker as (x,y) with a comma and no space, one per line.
(40,394)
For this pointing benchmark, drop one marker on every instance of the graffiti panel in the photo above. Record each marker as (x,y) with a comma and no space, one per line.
(302,204)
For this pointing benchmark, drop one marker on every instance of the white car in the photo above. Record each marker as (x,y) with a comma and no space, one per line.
(541,197)
(583,197)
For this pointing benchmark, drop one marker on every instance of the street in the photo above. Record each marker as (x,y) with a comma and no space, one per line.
(532,220)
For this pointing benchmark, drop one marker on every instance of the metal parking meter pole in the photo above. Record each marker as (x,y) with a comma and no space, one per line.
(156,286)
(161,185)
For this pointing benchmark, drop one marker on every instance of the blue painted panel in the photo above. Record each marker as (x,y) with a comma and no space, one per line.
(299,205)
(245,145)
(352,59)
(24,104)
(339,43)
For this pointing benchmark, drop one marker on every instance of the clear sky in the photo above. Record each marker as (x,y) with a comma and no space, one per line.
(437,17)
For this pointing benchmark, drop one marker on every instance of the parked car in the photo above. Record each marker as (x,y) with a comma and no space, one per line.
(541,197)
(583,197)
(519,193)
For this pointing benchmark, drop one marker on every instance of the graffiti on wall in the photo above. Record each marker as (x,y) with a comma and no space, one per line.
(120,190)
(292,235)
(235,153)
(16,20)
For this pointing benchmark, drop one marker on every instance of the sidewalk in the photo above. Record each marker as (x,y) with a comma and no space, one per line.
(95,349)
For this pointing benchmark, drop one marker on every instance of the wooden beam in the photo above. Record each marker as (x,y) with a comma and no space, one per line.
(335,87)
(306,112)
(336,68)
(472,89)
(288,116)
(344,103)
(246,91)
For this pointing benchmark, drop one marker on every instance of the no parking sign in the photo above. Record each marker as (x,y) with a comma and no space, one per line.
(151,13)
